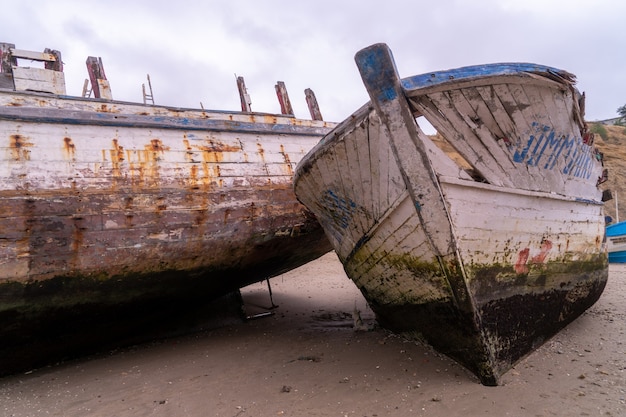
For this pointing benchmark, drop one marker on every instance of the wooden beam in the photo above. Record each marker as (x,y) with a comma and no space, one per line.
(35,56)
(38,79)
(99,84)
(311,101)
(283,98)
(55,64)
(246,103)
(7,60)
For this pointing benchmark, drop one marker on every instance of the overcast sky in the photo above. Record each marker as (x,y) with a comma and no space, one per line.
(193,49)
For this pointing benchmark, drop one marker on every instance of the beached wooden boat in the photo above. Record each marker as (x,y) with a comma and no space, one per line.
(485,253)
(616,242)
(109,208)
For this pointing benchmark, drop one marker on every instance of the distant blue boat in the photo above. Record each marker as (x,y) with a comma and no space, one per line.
(616,242)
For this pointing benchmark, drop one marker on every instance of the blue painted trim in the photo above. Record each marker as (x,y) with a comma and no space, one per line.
(477,71)
(378,72)
(616,229)
(617,257)
(73,117)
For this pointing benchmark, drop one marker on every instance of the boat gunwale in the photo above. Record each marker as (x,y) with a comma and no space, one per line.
(512,190)
(50,115)
(483,75)
(205,112)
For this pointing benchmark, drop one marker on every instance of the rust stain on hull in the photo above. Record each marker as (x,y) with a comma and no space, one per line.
(19,144)
(69,148)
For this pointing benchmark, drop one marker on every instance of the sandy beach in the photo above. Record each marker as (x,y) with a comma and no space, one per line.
(308,359)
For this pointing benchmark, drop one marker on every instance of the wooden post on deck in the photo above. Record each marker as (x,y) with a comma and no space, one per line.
(246,103)
(7,60)
(99,83)
(283,99)
(49,79)
(311,101)
(57,63)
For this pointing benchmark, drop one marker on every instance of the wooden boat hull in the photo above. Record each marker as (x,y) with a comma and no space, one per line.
(616,242)
(108,209)
(485,270)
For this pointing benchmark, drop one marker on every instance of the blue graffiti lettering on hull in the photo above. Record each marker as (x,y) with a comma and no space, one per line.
(341,209)
(565,152)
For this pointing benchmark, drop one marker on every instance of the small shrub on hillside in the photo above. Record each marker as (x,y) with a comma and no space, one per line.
(599,129)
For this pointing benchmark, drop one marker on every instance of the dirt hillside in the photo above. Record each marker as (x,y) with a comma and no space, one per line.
(611,141)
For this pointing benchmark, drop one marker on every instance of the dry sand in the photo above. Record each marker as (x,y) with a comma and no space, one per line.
(308,360)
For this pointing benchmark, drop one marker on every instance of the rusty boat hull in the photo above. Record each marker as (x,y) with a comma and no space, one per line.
(485,240)
(115,217)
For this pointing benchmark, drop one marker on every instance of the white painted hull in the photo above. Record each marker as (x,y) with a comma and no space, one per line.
(110,211)
(484,266)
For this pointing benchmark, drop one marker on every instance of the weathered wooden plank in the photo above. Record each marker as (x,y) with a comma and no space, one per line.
(351,142)
(38,79)
(361,144)
(487,138)
(480,108)
(7,60)
(101,211)
(374,248)
(244,97)
(57,63)
(314,108)
(64,234)
(331,227)
(373,142)
(394,244)
(336,195)
(283,98)
(347,191)
(542,148)
(503,120)
(546,143)
(463,138)
(398,224)
(386,160)
(35,56)
(562,101)
(6,81)
(104,89)
(99,84)
(107,176)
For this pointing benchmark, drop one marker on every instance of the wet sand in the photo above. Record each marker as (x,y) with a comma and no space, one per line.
(307,359)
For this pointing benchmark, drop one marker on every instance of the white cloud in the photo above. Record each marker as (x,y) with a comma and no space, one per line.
(193,49)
